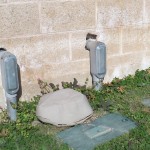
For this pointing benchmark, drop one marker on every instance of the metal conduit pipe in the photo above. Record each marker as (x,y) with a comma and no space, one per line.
(97,60)
(10,81)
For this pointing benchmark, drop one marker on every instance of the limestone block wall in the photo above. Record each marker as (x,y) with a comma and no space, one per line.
(48,38)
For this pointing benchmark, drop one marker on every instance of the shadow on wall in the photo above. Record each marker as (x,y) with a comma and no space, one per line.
(19,93)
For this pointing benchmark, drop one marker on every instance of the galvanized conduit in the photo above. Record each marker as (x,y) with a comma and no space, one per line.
(97,60)
(10,81)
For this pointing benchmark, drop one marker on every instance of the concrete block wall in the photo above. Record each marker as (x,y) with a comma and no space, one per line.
(48,38)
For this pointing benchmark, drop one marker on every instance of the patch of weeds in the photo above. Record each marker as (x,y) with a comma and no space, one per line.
(50,87)
(128,102)
(121,95)
(22,134)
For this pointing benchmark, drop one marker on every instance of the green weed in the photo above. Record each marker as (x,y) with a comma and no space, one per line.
(121,95)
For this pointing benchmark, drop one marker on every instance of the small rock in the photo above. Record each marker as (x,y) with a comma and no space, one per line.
(35,123)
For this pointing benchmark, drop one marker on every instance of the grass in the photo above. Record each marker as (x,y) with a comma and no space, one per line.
(121,95)
(129,104)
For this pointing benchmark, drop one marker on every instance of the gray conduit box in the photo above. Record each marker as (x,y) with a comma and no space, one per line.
(98,60)
(9,73)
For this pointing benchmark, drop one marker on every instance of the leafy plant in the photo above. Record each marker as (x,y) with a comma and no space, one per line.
(22,134)
(121,95)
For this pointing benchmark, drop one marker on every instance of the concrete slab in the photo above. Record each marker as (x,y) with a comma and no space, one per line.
(103,129)
(146,102)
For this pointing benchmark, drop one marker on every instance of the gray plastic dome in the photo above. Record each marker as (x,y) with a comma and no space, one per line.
(64,107)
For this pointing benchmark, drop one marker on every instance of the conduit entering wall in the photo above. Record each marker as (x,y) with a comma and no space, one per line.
(97,60)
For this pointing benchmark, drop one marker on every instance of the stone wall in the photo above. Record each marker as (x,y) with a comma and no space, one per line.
(48,38)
